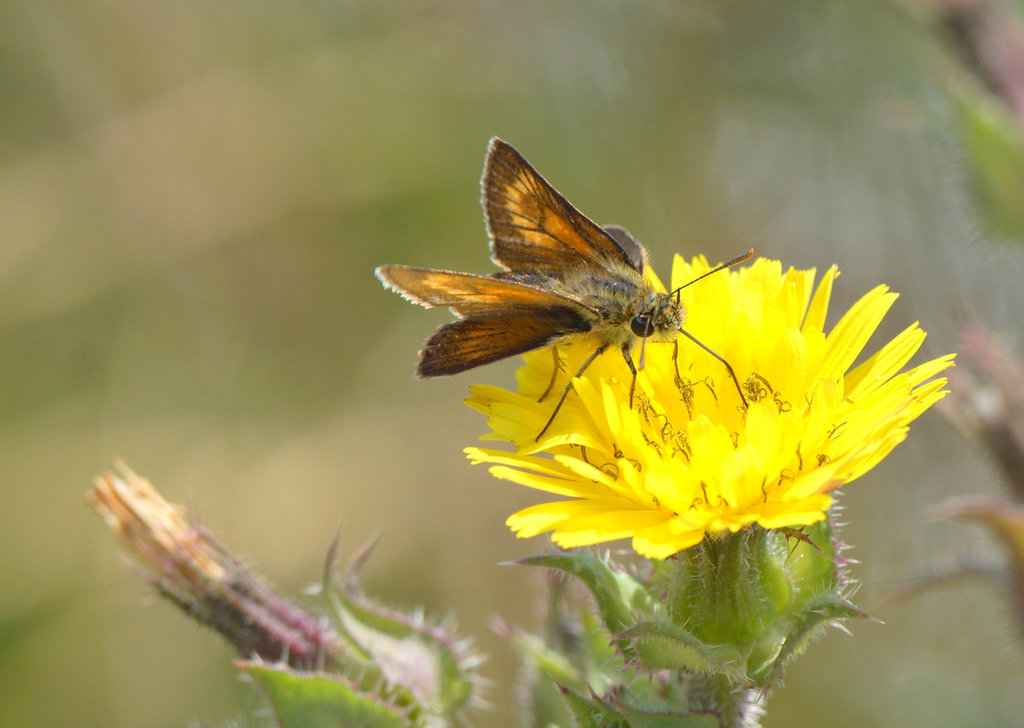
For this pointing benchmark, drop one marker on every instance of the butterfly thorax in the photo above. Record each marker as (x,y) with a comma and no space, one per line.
(625,307)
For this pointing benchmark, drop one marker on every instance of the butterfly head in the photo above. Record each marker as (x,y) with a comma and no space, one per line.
(660,320)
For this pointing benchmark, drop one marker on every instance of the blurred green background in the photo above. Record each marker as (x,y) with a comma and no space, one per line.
(193,197)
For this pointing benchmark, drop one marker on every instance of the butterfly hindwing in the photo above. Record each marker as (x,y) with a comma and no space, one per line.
(471,342)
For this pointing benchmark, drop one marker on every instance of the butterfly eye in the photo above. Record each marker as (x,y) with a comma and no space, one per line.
(641,325)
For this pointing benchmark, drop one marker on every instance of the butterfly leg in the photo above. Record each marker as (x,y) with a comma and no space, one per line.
(565,392)
(556,367)
(727,365)
(632,368)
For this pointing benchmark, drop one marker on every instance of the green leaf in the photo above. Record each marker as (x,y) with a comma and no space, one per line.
(317,700)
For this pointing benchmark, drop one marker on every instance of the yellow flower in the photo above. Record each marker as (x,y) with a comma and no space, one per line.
(688,458)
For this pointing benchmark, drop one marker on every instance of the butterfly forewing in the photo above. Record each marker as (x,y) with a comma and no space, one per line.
(533,228)
(468,294)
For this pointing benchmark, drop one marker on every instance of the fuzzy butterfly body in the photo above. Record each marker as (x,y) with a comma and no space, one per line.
(564,277)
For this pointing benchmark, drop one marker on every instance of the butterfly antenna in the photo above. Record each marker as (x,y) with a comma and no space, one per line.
(728,366)
(727,264)
(688,335)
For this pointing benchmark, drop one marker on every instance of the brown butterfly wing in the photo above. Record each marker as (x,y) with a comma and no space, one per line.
(534,229)
(469,294)
(498,317)
(471,342)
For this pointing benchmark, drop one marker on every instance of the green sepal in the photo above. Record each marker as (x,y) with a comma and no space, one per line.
(639,718)
(576,655)
(546,661)
(591,713)
(400,655)
(732,589)
(664,706)
(811,561)
(620,598)
(408,652)
(809,623)
(600,652)
(667,646)
(319,700)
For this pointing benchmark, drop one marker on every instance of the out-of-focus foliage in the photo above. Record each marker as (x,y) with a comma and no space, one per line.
(994,143)
(987,80)
(193,196)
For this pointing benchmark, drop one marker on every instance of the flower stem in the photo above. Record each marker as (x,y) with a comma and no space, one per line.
(735,707)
